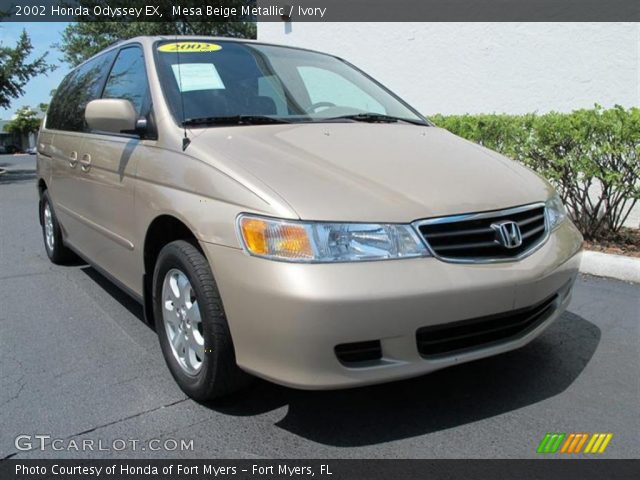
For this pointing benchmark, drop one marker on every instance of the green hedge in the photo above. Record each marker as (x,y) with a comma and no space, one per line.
(592,156)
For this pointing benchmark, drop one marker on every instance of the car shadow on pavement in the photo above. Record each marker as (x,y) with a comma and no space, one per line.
(441,400)
(117,293)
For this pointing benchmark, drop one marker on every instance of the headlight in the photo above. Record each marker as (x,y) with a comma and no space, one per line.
(556,213)
(311,242)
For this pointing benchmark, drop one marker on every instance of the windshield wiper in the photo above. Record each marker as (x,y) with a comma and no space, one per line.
(234,120)
(377,118)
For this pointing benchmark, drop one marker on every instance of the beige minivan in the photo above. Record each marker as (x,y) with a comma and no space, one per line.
(281,214)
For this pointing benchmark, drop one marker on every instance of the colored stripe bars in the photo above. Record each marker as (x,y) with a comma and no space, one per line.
(574,442)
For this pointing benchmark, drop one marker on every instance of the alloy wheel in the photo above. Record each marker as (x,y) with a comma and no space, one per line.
(48,227)
(182,321)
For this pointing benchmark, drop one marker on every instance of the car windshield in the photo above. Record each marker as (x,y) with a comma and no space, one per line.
(208,82)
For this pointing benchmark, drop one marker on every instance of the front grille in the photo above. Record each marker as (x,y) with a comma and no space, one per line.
(471,238)
(354,353)
(479,332)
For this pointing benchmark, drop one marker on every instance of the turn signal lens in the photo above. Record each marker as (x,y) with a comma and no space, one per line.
(276,239)
(294,242)
(254,233)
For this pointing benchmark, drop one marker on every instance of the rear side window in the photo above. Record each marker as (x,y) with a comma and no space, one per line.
(76,90)
(128,79)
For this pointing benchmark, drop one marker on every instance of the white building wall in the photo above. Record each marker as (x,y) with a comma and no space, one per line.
(485,67)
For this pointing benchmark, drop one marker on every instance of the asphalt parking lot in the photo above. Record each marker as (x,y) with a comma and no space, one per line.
(78,362)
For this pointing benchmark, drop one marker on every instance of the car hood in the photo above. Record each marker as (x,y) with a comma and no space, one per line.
(368,172)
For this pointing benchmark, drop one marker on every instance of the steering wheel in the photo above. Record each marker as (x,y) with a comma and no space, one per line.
(315,106)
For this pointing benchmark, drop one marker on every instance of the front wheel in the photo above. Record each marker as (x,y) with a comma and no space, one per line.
(191,324)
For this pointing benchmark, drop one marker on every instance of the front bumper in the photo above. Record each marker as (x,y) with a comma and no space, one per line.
(286,319)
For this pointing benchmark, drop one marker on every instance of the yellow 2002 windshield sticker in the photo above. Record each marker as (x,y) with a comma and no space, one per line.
(189,47)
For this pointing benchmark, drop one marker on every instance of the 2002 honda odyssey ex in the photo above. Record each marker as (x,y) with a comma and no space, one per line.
(279,212)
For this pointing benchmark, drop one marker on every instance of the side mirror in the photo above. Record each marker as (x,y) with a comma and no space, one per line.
(113,115)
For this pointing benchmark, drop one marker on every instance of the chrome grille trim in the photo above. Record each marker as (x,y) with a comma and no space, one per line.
(494,214)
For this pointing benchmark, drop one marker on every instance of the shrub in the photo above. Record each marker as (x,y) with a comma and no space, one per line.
(592,156)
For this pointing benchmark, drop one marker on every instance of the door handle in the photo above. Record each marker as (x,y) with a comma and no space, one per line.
(85,162)
(73,159)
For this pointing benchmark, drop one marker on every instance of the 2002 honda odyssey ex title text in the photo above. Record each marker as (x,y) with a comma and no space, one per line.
(279,212)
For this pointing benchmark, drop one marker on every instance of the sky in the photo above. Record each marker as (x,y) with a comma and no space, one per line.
(43,35)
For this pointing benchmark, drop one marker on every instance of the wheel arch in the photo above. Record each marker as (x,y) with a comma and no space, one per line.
(163,229)
(42,187)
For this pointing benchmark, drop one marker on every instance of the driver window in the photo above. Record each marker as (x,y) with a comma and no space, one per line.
(324,86)
(128,79)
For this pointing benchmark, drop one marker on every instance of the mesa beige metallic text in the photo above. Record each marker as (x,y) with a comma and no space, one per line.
(281,214)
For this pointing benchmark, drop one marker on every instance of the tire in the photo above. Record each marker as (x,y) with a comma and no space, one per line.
(57,252)
(192,326)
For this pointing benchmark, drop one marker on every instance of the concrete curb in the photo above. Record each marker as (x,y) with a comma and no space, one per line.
(612,266)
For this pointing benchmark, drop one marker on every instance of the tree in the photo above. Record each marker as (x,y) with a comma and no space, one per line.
(26,120)
(84,39)
(16,70)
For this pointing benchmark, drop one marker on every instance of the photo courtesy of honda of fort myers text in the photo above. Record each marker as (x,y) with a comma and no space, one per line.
(319,239)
